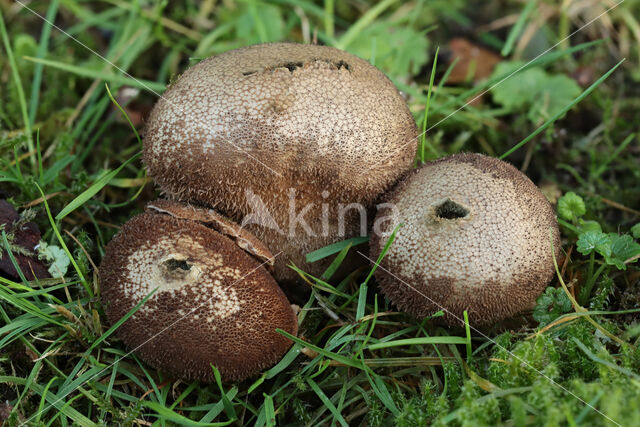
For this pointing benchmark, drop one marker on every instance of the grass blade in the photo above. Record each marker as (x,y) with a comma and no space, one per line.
(219,407)
(100,75)
(383,253)
(228,406)
(124,113)
(362,23)
(418,341)
(335,264)
(606,363)
(53,399)
(613,156)
(328,17)
(269,411)
(423,136)
(362,301)
(164,413)
(91,191)
(334,248)
(327,403)
(42,50)
(517,28)
(337,357)
(16,78)
(85,284)
(467,331)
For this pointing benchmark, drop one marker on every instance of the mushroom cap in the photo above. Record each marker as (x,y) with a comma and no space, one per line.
(264,119)
(476,236)
(214,304)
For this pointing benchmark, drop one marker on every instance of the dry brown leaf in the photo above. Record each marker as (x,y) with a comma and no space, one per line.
(474,62)
(25,238)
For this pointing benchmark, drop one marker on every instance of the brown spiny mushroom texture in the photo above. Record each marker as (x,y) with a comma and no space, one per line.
(214,303)
(268,134)
(476,236)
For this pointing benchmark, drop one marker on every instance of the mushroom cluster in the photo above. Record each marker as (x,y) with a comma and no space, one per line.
(266,150)
(476,235)
(281,140)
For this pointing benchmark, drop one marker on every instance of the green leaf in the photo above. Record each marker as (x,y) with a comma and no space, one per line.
(260,23)
(561,113)
(623,247)
(571,206)
(589,226)
(517,90)
(594,241)
(541,94)
(550,305)
(399,50)
(635,231)
(550,99)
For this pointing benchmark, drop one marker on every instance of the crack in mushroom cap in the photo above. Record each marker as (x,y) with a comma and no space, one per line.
(219,305)
(319,117)
(212,219)
(254,246)
(475,237)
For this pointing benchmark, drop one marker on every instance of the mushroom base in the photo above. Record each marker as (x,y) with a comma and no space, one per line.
(484,302)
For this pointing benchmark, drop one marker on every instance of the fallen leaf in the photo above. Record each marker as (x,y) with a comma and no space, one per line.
(474,62)
(5,413)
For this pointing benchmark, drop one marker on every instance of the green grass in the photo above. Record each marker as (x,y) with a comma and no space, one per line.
(70,158)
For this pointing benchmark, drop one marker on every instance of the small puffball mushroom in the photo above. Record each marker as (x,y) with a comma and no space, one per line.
(271,133)
(476,236)
(215,303)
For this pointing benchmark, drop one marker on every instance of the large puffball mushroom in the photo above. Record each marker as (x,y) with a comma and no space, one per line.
(214,301)
(270,133)
(476,236)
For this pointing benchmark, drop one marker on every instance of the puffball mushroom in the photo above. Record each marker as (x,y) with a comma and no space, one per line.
(476,236)
(251,129)
(214,301)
